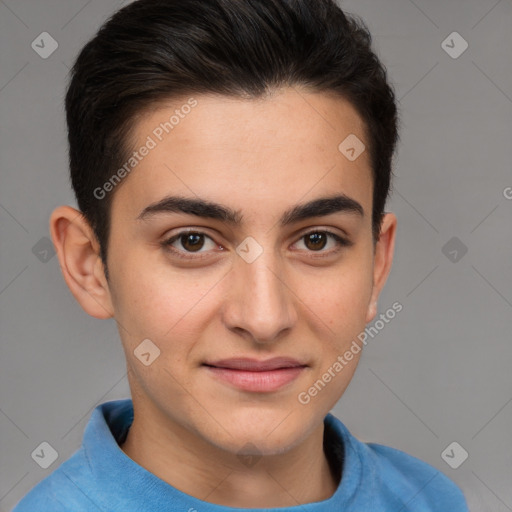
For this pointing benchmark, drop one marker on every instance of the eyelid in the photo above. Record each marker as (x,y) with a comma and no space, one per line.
(324,229)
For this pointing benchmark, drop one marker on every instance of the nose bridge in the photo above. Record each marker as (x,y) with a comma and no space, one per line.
(261,303)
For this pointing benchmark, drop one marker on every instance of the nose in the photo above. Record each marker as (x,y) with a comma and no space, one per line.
(260,303)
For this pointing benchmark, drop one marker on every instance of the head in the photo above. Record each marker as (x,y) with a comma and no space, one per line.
(227,119)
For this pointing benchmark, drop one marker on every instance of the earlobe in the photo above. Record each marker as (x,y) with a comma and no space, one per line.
(383,260)
(78,252)
(372,311)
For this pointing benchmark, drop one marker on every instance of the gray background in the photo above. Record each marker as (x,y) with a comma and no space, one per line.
(439,372)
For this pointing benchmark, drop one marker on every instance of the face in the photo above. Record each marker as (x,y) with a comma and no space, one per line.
(255,277)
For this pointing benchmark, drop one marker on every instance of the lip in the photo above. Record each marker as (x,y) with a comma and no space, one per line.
(253,365)
(257,376)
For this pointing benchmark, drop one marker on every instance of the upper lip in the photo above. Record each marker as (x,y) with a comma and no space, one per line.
(248,364)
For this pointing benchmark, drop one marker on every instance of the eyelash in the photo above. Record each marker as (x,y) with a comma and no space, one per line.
(167,244)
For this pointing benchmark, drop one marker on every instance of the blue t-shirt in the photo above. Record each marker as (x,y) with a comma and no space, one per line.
(99,476)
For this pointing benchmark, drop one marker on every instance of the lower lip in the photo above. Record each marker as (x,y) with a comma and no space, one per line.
(265,381)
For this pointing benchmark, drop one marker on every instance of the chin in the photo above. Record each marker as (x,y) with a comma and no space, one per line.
(263,436)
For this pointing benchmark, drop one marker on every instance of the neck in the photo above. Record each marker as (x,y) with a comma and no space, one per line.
(299,476)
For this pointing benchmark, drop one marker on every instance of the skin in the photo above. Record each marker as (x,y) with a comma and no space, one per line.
(260,157)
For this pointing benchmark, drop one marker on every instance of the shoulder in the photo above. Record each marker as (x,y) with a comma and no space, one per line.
(386,478)
(83,482)
(416,484)
(63,490)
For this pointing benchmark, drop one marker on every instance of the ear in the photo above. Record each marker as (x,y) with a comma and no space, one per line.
(383,258)
(78,252)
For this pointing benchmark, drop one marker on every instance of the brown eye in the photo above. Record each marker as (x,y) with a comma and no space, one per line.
(315,241)
(189,244)
(192,241)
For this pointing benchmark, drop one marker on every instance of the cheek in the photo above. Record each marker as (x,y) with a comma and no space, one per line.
(340,296)
(158,301)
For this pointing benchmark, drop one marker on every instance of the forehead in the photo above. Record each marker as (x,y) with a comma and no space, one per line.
(251,154)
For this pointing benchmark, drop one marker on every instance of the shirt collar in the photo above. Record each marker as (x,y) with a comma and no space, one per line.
(138,489)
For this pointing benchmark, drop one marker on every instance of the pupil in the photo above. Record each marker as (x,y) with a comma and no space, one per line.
(192,241)
(315,238)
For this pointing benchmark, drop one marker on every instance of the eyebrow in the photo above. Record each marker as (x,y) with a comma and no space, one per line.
(320,207)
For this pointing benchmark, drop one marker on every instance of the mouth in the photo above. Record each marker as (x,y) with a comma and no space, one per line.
(258,376)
